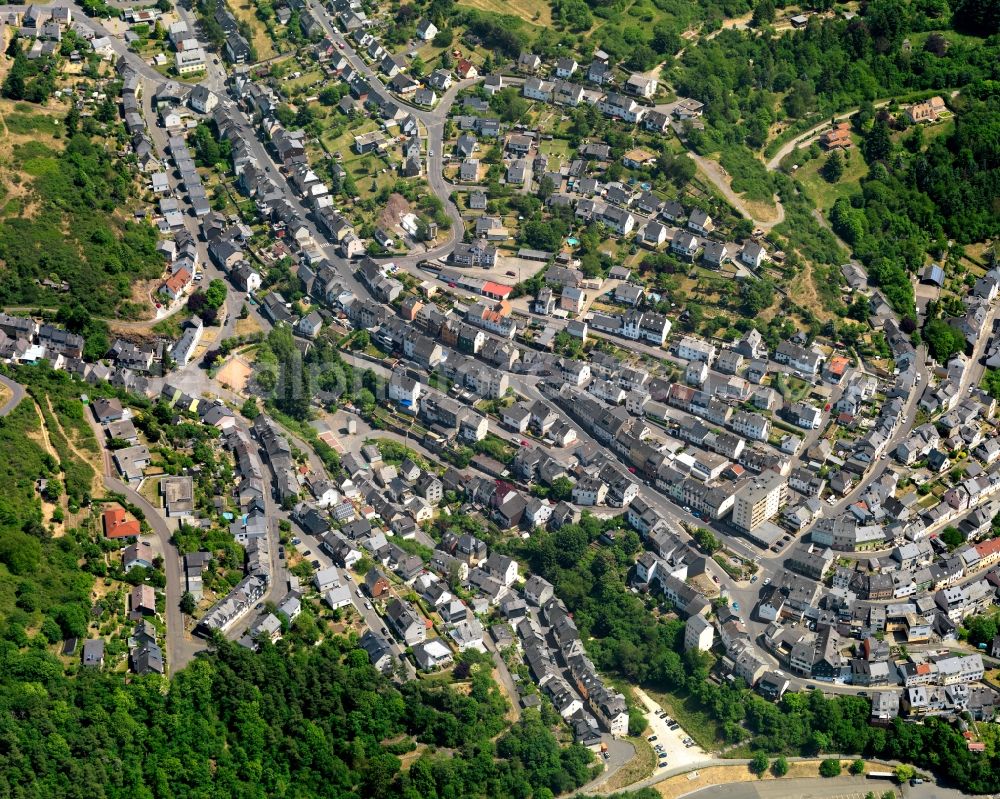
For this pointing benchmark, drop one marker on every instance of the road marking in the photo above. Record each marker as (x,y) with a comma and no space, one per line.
(332,441)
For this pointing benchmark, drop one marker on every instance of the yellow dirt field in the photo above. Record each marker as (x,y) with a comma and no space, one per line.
(235,374)
(525,9)
(245,327)
(243,10)
(719,775)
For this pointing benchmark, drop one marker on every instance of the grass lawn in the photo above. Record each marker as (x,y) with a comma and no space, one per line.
(306,79)
(557,148)
(823,193)
(537,12)
(706,732)
(345,142)
(244,11)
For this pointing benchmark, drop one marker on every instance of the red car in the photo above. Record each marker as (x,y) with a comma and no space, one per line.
(451,285)
(525,443)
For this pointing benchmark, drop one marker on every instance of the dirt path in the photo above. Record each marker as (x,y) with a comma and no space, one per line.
(48,508)
(85,457)
(714,172)
(43,431)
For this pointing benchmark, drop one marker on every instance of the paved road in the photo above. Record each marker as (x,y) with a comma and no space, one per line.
(16,395)
(181,647)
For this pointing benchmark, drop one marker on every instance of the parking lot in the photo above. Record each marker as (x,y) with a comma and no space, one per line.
(672,741)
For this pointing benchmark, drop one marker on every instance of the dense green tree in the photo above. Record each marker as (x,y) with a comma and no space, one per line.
(953,537)
(829,768)
(977,17)
(763,13)
(187,603)
(943,340)
(833,167)
(877,144)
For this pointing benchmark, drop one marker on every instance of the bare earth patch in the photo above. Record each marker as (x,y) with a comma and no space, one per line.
(246,327)
(395,209)
(802,289)
(682,784)
(235,373)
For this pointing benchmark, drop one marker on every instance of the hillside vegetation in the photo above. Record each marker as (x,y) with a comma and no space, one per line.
(75,232)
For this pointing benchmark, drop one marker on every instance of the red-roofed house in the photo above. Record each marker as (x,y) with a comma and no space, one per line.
(837,368)
(466,69)
(989,552)
(496,291)
(174,285)
(118,524)
(838,137)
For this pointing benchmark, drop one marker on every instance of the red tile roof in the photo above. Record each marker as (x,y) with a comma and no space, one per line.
(990,547)
(118,524)
(496,289)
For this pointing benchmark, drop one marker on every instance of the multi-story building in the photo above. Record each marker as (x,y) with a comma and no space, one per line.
(758,501)
(695,349)
(698,634)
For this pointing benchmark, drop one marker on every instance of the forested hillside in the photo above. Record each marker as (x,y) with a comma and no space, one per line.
(44,594)
(319,722)
(749,82)
(70,228)
(917,196)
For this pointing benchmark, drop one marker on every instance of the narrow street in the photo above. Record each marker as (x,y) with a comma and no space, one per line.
(181,646)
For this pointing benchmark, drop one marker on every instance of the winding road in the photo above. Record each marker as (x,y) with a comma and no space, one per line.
(181,647)
(17,394)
